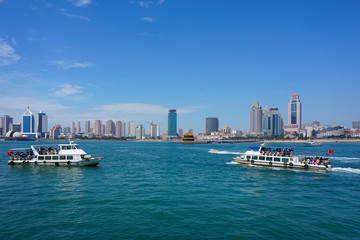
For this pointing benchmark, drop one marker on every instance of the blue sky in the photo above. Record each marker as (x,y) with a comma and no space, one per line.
(135,59)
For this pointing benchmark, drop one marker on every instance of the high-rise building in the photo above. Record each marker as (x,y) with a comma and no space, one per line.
(97,127)
(42,124)
(155,131)
(66,131)
(212,125)
(118,129)
(181,132)
(256,120)
(55,132)
(131,129)
(72,128)
(139,132)
(356,124)
(6,123)
(294,115)
(272,122)
(226,130)
(87,127)
(28,124)
(172,123)
(122,131)
(110,127)
(78,128)
(16,127)
(149,128)
(103,129)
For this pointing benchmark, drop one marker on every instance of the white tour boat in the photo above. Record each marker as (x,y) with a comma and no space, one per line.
(312,144)
(279,157)
(53,155)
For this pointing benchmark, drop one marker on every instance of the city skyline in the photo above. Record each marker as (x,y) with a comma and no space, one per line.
(129,61)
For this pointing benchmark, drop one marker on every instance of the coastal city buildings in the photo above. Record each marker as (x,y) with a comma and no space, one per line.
(72,128)
(172,123)
(42,121)
(256,120)
(139,132)
(78,128)
(97,127)
(212,125)
(87,127)
(55,132)
(5,124)
(356,124)
(272,122)
(131,129)
(110,128)
(294,115)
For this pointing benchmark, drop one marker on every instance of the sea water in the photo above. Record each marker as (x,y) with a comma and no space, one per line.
(173,191)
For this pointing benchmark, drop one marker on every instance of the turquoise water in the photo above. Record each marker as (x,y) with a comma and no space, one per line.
(173,191)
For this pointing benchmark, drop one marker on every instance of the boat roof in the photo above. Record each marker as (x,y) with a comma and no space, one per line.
(20,149)
(254,148)
(48,145)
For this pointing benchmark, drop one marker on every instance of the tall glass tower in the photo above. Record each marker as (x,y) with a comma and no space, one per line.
(42,124)
(212,124)
(294,111)
(256,120)
(28,124)
(172,123)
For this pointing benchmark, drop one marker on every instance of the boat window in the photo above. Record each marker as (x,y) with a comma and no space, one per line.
(55,157)
(269,158)
(63,147)
(62,157)
(69,158)
(261,158)
(254,157)
(284,159)
(277,159)
(41,157)
(247,157)
(47,157)
(291,159)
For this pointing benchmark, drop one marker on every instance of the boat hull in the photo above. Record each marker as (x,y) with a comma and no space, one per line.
(88,162)
(303,166)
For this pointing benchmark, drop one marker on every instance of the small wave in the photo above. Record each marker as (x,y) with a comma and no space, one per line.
(224,152)
(346,158)
(348,169)
(232,163)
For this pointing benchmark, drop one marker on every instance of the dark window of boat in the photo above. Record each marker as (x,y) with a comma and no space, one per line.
(261,158)
(62,157)
(47,157)
(247,157)
(269,158)
(69,158)
(41,157)
(284,159)
(55,157)
(277,159)
(254,157)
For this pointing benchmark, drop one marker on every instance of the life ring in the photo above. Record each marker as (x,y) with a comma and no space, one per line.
(252,161)
(306,166)
(270,163)
(291,164)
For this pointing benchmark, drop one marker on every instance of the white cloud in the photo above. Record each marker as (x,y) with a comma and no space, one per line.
(161,2)
(146,4)
(67,89)
(148,19)
(65,13)
(81,3)
(7,54)
(70,64)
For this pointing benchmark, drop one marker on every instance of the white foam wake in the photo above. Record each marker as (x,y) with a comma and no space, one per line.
(224,152)
(348,169)
(345,158)
(232,163)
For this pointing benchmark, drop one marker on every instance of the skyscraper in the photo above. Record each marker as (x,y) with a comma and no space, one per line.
(139,132)
(72,128)
(294,115)
(42,124)
(97,127)
(272,122)
(110,127)
(172,123)
(28,124)
(212,125)
(122,131)
(131,129)
(87,126)
(55,132)
(118,126)
(78,128)
(256,120)
(6,122)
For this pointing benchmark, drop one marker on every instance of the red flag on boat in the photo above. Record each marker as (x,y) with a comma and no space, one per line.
(331,151)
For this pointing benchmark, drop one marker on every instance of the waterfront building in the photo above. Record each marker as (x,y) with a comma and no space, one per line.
(42,120)
(212,125)
(256,120)
(16,127)
(272,122)
(181,132)
(139,132)
(191,131)
(66,131)
(97,127)
(226,129)
(172,123)
(131,129)
(110,127)
(154,131)
(28,124)
(149,128)
(72,128)
(118,126)
(356,124)
(5,124)
(55,131)
(78,128)
(333,131)
(294,115)
(123,129)
(103,129)
(87,127)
